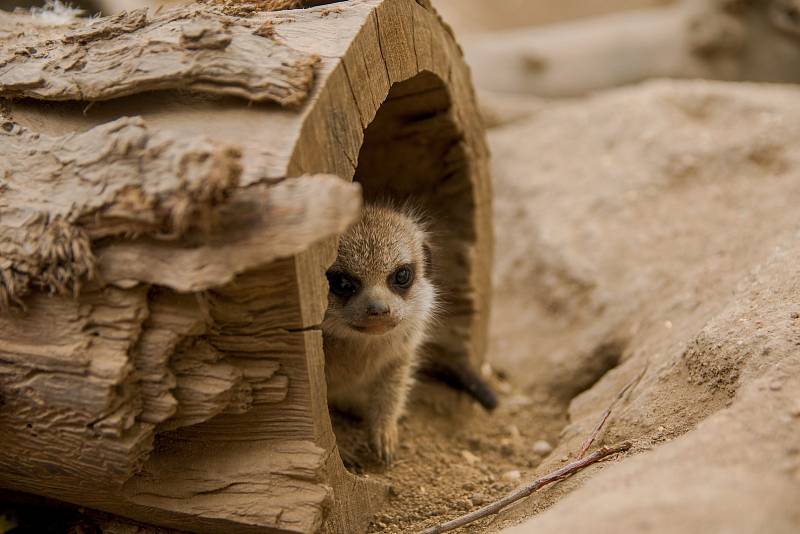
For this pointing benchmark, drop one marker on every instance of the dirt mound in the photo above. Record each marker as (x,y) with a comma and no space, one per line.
(665,224)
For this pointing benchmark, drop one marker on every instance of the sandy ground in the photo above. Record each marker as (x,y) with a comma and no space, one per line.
(649,226)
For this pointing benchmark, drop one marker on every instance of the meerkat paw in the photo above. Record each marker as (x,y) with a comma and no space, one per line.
(385,440)
(351,460)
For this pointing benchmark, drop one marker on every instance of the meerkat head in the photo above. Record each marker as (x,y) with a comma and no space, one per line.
(380,283)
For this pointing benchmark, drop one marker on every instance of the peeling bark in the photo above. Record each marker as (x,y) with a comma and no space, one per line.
(196,48)
(60,193)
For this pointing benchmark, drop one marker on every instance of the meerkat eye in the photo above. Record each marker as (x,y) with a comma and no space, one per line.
(342,284)
(403,277)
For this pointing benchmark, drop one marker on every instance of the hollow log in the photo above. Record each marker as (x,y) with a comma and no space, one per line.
(172,185)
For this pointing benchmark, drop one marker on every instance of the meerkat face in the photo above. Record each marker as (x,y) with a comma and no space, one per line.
(380,281)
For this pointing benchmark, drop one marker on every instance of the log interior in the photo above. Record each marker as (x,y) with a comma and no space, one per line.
(413,150)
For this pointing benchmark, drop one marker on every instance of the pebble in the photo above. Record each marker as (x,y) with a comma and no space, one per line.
(507,449)
(795,411)
(775,385)
(468,486)
(470,458)
(478,499)
(796,315)
(518,401)
(475,443)
(511,476)
(542,448)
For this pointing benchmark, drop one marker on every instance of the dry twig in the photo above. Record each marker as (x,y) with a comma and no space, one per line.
(629,386)
(528,489)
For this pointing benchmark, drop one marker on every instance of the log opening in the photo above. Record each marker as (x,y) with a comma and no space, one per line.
(414,151)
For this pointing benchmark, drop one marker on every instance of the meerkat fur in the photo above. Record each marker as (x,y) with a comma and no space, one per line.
(380,308)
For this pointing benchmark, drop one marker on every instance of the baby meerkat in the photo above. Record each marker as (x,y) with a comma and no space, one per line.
(380,305)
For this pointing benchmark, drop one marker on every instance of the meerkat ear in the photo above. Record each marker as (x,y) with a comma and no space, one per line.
(426,251)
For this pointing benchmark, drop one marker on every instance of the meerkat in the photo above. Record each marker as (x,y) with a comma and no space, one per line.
(380,306)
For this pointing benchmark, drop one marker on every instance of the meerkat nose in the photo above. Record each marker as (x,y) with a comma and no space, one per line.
(377,309)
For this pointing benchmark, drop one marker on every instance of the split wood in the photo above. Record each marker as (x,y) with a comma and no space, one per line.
(528,489)
(593,436)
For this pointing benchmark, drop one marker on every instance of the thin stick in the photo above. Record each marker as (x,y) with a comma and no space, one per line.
(593,436)
(528,489)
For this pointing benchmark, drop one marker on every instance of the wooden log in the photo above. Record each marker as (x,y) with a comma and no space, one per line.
(713,39)
(164,249)
(131,53)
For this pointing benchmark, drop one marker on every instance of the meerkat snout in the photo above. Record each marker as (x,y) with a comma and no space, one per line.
(380,305)
(377,309)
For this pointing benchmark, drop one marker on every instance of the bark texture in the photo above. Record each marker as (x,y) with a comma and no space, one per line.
(62,192)
(198,49)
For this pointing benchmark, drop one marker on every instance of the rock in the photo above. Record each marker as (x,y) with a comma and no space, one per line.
(479,499)
(470,458)
(542,448)
(511,476)
(475,443)
(518,401)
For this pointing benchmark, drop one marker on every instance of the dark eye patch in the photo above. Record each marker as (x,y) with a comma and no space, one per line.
(402,278)
(342,284)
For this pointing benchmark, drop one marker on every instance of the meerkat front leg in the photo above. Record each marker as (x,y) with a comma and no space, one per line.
(385,406)
(380,303)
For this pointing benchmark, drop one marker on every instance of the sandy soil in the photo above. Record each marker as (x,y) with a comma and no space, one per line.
(656,225)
